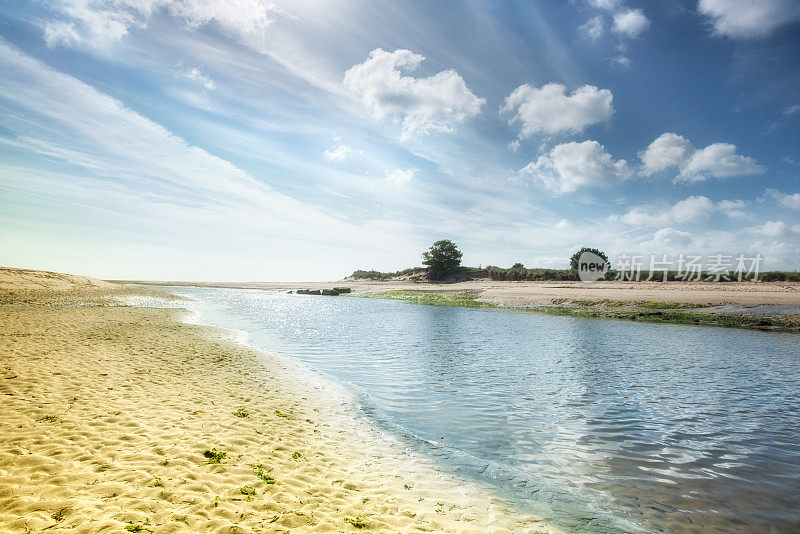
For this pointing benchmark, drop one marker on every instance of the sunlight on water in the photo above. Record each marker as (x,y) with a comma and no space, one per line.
(596,425)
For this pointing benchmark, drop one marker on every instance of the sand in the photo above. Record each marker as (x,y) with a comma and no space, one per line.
(107,412)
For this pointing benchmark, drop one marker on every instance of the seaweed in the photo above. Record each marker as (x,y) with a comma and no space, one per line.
(214,456)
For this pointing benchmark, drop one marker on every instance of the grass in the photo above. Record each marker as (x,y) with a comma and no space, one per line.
(281,414)
(428,298)
(297,455)
(241,412)
(214,456)
(651,304)
(671,317)
(356,522)
(643,311)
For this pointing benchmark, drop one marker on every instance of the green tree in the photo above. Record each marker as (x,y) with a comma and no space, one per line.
(573,261)
(442,258)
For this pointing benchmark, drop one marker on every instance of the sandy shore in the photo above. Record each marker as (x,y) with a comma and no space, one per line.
(108,411)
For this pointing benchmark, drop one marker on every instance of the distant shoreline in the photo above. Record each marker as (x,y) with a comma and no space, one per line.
(768,306)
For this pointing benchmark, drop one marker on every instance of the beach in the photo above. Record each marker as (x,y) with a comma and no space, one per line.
(126,419)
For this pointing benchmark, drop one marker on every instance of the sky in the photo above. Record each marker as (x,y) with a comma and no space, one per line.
(295,140)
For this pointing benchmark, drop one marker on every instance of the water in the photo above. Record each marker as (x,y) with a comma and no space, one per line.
(599,426)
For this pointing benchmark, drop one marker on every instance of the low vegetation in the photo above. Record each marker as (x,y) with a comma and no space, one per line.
(214,456)
(262,475)
(673,316)
(643,311)
(443,265)
(356,522)
(463,299)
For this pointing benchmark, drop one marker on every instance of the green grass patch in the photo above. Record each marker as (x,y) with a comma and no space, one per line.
(671,317)
(241,412)
(650,304)
(281,414)
(429,298)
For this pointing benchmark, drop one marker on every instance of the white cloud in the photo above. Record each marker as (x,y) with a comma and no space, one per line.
(196,74)
(791,110)
(338,153)
(718,160)
(630,22)
(609,5)
(669,239)
(776,229)
(732,208)
(570,166)
(622,61)
(400,178)
(783,199)
(550,110)
(693,209)
(593,28)
(99,23)
(748,18)
(437,103)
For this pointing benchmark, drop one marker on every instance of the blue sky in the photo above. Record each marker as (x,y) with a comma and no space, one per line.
(247,140)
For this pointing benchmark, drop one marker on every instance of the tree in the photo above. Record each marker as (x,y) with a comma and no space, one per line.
(442,258)
(573,261)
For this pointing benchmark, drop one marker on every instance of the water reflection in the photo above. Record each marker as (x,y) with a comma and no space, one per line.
(598,425)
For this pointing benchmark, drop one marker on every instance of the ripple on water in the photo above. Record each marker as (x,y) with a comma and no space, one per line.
(597,425)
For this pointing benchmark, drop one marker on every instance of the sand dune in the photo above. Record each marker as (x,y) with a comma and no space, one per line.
(107,412)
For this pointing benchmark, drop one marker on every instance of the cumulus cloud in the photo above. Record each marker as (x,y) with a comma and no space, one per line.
(669,239)
(400,178)
(593,28)
(732,208)
(550,110)
(434,104)
(630,22)
(776,229)
(784,199)
(748,18)
(99,23)
(338,153)
(570,166)
(693,209)
(718,160)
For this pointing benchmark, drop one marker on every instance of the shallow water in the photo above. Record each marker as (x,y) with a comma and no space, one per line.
(598,426)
